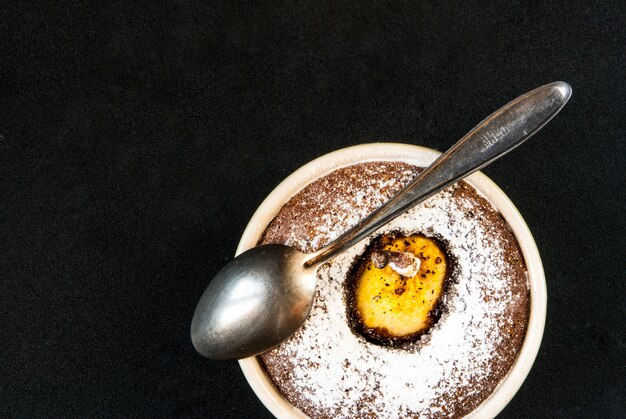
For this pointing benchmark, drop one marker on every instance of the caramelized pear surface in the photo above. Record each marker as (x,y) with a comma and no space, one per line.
(388,307)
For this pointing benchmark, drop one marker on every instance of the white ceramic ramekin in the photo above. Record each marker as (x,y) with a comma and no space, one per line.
(418,156)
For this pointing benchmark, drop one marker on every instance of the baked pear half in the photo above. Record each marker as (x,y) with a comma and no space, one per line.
(396,287)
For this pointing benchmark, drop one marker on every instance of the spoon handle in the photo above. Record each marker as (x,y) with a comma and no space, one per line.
(496,135)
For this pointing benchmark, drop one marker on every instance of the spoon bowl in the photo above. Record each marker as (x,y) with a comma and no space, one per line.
(268,287)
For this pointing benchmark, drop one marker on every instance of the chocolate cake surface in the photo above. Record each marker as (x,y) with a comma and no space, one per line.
(327,370)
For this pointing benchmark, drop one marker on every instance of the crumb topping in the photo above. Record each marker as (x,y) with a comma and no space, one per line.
(404,263)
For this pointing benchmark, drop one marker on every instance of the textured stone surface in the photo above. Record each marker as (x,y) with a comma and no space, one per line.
(136,140)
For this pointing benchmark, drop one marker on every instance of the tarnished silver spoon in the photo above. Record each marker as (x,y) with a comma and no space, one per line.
(264,295)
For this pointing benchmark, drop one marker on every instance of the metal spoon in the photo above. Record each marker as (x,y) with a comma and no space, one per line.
(264,295)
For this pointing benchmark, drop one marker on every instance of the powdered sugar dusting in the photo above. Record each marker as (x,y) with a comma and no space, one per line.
(327,370)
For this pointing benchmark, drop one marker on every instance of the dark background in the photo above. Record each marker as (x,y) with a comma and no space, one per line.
(137,140)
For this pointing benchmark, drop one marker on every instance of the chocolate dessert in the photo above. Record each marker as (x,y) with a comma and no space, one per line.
(470,336)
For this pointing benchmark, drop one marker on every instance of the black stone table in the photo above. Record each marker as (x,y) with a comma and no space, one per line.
(137,138)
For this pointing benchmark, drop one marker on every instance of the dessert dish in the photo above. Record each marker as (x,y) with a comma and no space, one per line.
(395,351)
(326,371)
